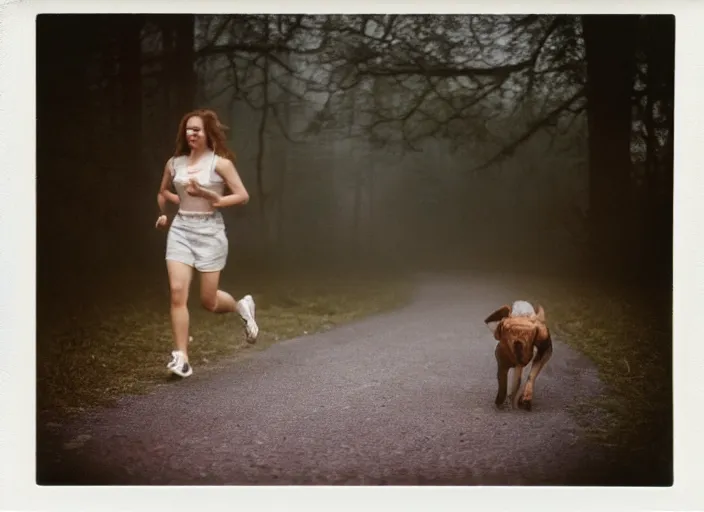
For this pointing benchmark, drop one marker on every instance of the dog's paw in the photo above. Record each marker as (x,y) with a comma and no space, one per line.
(524,404)
(502,404)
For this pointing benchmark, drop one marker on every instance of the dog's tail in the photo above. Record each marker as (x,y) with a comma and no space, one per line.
(539,313)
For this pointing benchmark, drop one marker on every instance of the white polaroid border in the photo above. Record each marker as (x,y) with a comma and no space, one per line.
(18,489)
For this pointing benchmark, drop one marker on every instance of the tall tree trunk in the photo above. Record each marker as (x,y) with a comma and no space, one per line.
(283,170)
(58,86)
(261,142)
(261,134)
(610,49)
(183,64)
(358,178)
(661,60)
(130,112)
(281,210)
(179,55)
(131,86)
(371,233)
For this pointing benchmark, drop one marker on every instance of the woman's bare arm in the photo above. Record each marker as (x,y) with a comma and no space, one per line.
(238,193)
(165,193)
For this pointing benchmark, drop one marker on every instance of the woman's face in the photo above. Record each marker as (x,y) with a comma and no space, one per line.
(195,133)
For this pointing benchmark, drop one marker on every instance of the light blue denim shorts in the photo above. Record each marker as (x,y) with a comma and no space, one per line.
(198,240)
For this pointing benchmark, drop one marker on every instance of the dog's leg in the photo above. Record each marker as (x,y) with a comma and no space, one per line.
(541,359)
(502,377)
(516,384)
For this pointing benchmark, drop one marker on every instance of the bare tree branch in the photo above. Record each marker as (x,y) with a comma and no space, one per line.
(542,123)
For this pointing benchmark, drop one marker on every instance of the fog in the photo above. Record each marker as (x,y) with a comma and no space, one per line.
(366,142)
(372,147)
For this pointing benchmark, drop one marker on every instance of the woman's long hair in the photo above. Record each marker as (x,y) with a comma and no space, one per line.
(214,134)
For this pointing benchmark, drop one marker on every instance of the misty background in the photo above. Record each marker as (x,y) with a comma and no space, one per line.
(373,147)
(514,142)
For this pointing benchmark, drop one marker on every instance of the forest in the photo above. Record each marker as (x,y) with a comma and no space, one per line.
(374,148)
(383,139)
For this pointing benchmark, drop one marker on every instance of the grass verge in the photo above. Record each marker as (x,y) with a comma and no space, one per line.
(118,342)
(628,335)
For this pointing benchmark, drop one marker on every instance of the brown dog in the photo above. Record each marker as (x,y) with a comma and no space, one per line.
(521,333)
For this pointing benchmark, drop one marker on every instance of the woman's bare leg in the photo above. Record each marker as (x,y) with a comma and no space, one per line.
(180,276)
(219,301)
(212,298)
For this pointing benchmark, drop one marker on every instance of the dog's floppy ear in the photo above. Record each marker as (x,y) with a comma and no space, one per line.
(498,315)
(493,321)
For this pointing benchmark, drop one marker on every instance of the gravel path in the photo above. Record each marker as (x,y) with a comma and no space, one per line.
(401,398)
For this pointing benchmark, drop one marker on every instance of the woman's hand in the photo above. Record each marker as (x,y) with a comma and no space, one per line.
(195,189)
(161,222)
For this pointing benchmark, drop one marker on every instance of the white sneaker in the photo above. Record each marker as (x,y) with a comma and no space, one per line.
(179,365)
(246,309)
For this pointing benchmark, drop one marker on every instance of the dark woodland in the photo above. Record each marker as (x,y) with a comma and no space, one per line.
(565,121)
(531,144)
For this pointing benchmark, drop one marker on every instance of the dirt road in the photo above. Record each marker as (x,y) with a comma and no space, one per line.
(401,398)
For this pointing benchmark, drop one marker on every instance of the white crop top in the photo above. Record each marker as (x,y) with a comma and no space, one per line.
(204,171)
